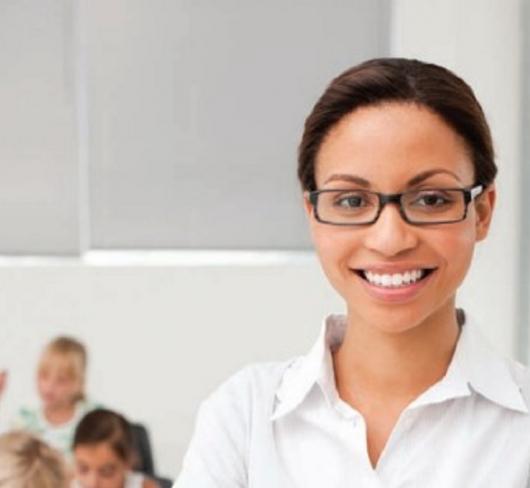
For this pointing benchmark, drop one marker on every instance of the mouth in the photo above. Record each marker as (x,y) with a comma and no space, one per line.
(394,280)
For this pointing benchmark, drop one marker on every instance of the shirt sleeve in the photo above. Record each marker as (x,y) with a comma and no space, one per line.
(218,452)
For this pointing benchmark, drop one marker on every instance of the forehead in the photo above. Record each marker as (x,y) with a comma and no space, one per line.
(389,144)
(97,454)
(56,364)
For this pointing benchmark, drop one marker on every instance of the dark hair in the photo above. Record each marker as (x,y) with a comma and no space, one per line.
(383,80)
(103,425)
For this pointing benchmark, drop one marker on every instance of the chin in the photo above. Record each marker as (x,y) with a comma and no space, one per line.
(391,319)
(50,404)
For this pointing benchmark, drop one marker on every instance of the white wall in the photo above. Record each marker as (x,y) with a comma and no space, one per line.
(38,136)
(481,41)
(161,337)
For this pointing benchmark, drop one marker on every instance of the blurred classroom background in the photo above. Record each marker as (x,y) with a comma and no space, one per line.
(148,198)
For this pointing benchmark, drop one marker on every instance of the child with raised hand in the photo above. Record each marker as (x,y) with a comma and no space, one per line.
(61,387)
(104,453)
(27,462)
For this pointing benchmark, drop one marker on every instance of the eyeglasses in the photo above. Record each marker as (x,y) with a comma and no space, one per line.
(429,206)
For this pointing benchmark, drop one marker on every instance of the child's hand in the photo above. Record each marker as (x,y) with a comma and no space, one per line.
(3,381)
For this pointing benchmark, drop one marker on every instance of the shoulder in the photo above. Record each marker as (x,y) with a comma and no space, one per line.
(226,423)
(251,387)
(255,377)
(27,418)
(28,413)
(239,405)
(248,394)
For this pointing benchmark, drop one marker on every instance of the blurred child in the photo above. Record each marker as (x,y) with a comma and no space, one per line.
(61,387)
(26,462)
(104,454)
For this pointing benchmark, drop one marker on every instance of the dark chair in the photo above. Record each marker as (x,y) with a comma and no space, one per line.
(142,445)
(163,482)
(144,455)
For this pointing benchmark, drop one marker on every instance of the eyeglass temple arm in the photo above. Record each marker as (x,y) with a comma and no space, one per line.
(476,191)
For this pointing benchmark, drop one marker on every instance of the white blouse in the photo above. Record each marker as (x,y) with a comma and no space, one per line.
(283,425)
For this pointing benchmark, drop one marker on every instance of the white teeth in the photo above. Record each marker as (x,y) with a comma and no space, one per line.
(397,280)
(394,280)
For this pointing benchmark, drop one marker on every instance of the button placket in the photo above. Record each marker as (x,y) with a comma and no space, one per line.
(392,456)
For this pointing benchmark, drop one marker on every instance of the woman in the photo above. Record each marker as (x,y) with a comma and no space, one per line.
(397,167)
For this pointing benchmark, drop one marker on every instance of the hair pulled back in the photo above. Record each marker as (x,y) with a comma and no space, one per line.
(385,80)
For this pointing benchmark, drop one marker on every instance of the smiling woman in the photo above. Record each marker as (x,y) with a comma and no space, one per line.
(397,167)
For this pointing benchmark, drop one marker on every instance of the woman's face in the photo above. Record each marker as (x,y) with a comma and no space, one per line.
(98,466)
(389,146)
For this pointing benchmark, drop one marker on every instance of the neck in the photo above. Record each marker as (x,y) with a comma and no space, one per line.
(374,363)
(59,414)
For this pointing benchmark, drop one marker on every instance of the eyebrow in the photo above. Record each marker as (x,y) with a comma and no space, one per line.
(416,180)
(427,174)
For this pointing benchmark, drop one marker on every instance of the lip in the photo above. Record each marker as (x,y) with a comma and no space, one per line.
(400,294)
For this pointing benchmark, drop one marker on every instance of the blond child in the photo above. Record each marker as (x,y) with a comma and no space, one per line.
(27,462)
(61,387)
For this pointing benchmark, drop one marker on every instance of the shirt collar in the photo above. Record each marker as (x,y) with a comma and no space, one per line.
(475,367)
(305,372)
(486,372)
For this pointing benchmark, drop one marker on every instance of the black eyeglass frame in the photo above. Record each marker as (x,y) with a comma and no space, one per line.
(470,193)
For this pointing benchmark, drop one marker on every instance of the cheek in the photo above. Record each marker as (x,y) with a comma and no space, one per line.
(331,244)
(117,480)
(68,390)
(46,387)
(456,249)
(334,248)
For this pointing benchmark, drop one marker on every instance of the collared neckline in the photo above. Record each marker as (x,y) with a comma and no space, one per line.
(304,372)
(474,368)
(488,373)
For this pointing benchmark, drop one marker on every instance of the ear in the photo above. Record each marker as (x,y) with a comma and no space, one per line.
(308,206)
(484,206)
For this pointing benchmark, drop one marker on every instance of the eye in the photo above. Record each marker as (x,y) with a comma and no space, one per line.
(348,201)
(432,199)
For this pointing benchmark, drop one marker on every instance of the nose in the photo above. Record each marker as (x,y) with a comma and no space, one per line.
(390,235)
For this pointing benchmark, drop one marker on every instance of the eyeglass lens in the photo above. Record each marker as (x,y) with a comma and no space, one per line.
(421,206)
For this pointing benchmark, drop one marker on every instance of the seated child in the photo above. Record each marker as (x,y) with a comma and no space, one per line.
(60,384)
(27,462)
(104,454)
